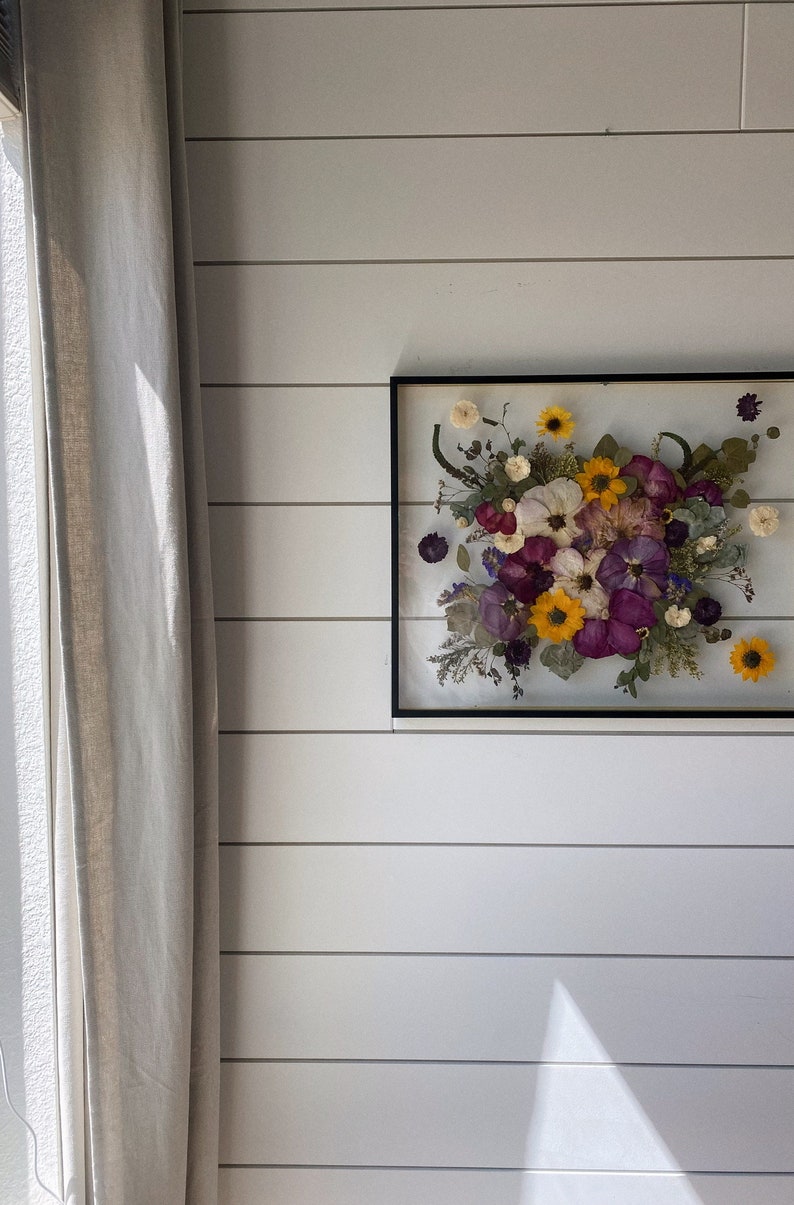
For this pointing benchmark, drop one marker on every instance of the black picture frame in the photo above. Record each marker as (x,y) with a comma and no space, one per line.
(399,710)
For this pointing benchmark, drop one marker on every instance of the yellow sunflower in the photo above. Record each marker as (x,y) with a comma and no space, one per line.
(556,616)
(556,422)
(600,481)
(752,658)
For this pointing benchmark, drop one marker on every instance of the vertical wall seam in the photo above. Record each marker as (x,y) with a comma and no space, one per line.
(743,68)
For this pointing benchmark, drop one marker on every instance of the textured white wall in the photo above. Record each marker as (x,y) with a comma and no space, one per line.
(438,991)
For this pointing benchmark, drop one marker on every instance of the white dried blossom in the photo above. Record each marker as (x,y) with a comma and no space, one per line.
(508,505)
(462,521)
(677,617)
(517,468)
(705,544)
(464,415)
(764,520)
(509,544)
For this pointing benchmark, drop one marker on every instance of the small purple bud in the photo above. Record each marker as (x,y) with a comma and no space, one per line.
(433,548)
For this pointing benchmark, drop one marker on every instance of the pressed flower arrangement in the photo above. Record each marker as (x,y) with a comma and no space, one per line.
(568,556)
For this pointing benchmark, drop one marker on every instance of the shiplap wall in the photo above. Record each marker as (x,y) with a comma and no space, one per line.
(461,967)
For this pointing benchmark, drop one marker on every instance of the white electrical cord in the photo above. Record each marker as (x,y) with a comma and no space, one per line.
(28,1127)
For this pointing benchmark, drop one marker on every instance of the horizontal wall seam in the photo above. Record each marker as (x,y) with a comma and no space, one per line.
(433,618)
(605,1065)
(492,845)
(306,618)
(545,733)
(534,259)
(410,8)
(500,954)
(316,505)
(293,505)
(294,385)
(607,133)
(533,1171)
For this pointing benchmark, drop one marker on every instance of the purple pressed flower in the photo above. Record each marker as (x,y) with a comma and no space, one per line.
(453,593)
(518,653)
(681,584)
(639,565)
(706,611)
(499,613)
(748,407)
(676,533)
(433,548)
(523,571)
(705,489)
(493,520)
(654,479)
(492,561)
(622,632)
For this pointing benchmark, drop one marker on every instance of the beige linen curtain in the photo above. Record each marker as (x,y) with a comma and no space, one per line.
(136,794)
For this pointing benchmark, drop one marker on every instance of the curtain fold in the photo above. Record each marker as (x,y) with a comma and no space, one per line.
(136,792)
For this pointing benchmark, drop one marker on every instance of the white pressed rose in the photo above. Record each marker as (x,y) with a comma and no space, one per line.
(764,520)
(464,415)
(517,468)
(462,522)
(705,544)
(509,544)
(677,617)
(508,505)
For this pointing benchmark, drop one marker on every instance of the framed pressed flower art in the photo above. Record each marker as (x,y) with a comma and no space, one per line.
(589,546)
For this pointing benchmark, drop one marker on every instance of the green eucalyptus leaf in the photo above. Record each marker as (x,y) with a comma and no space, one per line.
(773,432)
(562,659)
(607,446)
(622,457)
(632,689)
(643,670)
(740,499)
(701,455)
(482,637)
(499,648)
(631,486)
(463,558)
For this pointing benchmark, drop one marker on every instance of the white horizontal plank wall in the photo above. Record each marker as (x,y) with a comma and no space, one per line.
(491,967)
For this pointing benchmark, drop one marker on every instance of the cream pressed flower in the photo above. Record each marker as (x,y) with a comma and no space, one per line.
(549,510)
(517,468)
(508,505)
(575,573)
(462,522)
(764,520)
(509,544)
(464,415)
(677,617)
(705,544)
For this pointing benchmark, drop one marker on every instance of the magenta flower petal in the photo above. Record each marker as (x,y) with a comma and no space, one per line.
(539,549)
(622,638)
(494,521)
(654,479)
(628,611)
(705,489)
(593,639)
(629,608)
(522,571)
